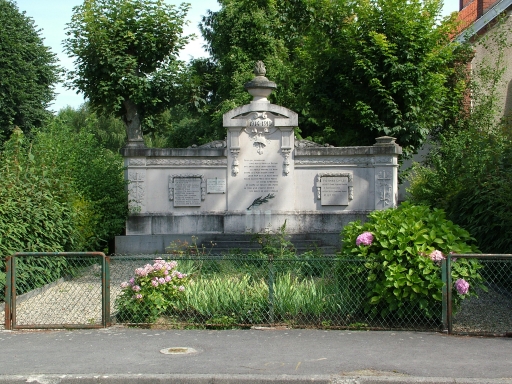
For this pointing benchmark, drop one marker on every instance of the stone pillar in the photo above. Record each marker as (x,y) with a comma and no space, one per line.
(386,153)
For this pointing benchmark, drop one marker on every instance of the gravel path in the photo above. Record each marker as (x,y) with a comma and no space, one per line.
(489,312)
(75,301)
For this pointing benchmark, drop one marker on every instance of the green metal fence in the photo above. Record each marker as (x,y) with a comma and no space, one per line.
(213,291)
(78,298)
(489,312)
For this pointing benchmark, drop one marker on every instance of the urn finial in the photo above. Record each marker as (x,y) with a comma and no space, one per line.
(260,87)
(259,68)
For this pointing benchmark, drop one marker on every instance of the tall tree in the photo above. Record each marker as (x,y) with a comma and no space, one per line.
(379,67)
(245,31)
(353,70)
(125,58)
(28,72)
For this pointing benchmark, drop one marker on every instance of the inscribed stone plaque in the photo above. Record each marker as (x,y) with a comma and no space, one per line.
(215,185)
(187,191)
(260,176)
(334,190)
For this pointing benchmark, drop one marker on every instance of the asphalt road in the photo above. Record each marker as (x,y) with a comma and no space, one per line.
(125,355)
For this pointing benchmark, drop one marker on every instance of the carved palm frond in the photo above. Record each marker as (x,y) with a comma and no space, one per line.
(261,200)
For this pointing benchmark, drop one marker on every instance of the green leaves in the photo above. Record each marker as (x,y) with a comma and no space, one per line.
(28,71)
(402,278)
(126,50)
(388,62)
(469,171)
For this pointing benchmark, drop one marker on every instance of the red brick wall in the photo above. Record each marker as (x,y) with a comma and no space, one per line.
(470,10)
(468,15)
(487,4)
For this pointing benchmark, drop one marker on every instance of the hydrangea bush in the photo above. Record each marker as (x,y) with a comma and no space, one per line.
(151,293)
(402,250)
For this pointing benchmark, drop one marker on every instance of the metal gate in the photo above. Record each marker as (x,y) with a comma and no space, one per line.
(76,285)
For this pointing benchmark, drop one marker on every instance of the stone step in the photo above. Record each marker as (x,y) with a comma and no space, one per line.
(245,246)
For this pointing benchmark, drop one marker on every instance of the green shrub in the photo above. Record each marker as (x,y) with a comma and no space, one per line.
(470,176)
(151,293)
(402,277)
(96,178)
(36,213)
(468,172)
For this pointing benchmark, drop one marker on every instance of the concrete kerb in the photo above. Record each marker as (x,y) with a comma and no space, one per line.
(238,379)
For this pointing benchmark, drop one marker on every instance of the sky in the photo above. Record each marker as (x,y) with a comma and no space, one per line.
(51,17)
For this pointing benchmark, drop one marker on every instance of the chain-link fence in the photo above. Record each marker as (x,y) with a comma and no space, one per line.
(488,311)
(213,291)
(245,291)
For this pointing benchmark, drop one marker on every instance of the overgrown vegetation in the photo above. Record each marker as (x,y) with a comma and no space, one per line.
(96,178)
(61,192)
(468,173)
(36,210)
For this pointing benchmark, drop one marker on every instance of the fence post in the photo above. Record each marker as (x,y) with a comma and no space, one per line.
(271,288)
(7,290)
(12,291)
(445,295)
(105,288)
(449,292)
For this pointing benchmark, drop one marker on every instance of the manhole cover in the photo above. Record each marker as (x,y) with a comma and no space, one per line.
(178,351)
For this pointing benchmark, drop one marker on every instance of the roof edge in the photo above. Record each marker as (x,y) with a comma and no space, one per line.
(496,10)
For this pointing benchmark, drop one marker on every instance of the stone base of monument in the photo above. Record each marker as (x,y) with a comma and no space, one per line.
(149,233)
(224,244)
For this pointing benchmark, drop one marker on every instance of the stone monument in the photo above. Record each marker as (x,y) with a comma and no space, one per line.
(255,180)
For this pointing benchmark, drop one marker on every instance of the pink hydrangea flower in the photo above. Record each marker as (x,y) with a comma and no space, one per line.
(157,266)
(161,280)
(462,286)
(167,278)
(436,255)
(136,288)
(171,265)
(365,238)
(154,283)
(181,288)
(124,284)
(138,296)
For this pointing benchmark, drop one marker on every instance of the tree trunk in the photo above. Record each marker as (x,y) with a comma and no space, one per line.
(131,119)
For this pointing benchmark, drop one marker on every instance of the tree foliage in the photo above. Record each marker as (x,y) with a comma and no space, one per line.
(109,131)
(28,72)
(353,70)
(469,170)
(125,57)
(379,68)
(243,32)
